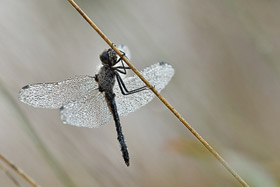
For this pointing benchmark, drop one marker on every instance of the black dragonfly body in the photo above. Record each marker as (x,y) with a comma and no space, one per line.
(106,81)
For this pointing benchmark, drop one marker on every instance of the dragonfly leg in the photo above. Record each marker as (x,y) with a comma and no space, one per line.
(121,69)
(123,88)
(123,54)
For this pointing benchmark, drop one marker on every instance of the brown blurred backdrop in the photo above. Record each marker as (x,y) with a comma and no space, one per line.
(226,84)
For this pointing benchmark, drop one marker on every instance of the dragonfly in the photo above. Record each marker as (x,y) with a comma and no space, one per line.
(91,101)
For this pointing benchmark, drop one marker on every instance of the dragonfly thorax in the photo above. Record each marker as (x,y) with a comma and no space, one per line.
(108,57)
(105,79)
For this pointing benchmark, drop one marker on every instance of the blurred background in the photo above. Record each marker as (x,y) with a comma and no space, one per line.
(226,85)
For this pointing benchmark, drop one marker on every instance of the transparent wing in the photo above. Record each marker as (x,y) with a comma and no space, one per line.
(91,110)
(54,95)
(158,75)
(124,49)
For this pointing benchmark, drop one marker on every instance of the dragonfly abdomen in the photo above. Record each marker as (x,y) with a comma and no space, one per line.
(110,98)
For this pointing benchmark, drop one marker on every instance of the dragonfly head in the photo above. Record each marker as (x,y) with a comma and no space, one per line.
(108,57)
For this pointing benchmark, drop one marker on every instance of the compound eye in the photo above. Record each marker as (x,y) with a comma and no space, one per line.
(104,57)
(112,57)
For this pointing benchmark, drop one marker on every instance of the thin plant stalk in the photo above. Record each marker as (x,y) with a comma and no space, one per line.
(9,175)
(165,102)
(19,171)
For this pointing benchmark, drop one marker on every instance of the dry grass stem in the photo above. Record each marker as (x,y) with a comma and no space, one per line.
(9,175)
(172,109)
(19,171)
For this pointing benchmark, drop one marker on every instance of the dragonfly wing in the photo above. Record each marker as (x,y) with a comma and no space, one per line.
(91,110)
(158,75)
(125,49)
(54,95)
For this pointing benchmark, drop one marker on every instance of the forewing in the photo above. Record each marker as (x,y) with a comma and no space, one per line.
(56,94)
(158,75)
(125,49)
(88,111)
